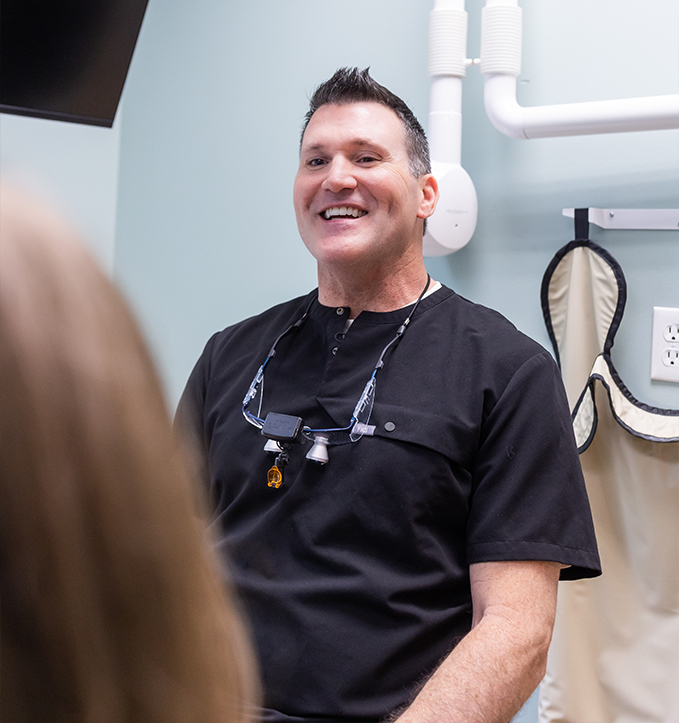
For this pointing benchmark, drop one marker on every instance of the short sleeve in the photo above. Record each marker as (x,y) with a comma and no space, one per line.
(529,500)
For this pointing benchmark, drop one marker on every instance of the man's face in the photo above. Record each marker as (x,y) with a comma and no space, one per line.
(355,197)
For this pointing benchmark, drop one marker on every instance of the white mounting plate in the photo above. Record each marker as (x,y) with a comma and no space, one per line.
(642,219)
(665,344)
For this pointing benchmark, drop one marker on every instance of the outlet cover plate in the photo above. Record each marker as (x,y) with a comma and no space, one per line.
(665,344)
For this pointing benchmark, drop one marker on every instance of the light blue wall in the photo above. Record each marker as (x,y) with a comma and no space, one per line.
(73,166)
(206,228)
(213,104)
(207,138)
(576,51)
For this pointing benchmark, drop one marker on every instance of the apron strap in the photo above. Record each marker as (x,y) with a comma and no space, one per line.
(581,224)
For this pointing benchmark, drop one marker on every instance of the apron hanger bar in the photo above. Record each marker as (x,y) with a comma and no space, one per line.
(641,219)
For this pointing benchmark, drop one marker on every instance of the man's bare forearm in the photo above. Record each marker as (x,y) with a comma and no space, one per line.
(495,668)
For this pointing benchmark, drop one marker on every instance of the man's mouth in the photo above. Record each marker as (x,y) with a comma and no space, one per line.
(342,212)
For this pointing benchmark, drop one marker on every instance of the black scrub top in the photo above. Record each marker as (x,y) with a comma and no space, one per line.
(355,574)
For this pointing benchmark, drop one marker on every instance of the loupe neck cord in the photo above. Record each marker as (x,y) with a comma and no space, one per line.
(259,377)
(368,390)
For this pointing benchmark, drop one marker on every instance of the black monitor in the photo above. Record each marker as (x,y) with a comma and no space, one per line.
(66,59)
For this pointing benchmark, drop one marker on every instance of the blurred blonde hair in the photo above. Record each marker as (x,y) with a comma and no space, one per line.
(112,609)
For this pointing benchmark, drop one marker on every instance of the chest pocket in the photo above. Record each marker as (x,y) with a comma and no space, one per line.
(404,490)
(450,436)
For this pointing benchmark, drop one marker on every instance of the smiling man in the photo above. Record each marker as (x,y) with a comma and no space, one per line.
(360,207)
(397,501)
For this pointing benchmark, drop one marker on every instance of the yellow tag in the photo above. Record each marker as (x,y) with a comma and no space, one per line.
(274,477)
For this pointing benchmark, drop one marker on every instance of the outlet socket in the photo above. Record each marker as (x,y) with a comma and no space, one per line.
(670,357)
(665,344)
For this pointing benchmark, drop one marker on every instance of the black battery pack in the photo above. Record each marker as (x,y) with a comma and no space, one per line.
(282,427)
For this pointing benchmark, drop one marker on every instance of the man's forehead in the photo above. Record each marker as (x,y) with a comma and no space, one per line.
(360,124)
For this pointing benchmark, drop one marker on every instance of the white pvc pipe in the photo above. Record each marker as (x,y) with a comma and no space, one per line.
(574,119)
(447,56)
(454,220)
(445,119)
(501,63)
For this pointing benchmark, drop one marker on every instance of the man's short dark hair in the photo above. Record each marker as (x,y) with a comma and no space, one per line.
(351,85)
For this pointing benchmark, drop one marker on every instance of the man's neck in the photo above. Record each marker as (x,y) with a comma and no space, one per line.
(379,290)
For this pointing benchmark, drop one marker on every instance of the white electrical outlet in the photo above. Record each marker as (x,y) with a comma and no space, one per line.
(665,345)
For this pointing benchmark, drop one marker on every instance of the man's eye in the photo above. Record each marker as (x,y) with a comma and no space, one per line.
(315,162)
(367,159)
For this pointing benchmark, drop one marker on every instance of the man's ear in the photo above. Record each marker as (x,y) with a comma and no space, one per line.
(430,195)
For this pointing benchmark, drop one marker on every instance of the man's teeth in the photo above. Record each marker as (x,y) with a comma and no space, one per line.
(342,211)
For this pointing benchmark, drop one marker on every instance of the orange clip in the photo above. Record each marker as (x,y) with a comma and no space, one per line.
(274,477)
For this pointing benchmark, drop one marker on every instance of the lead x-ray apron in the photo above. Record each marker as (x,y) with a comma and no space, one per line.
(615,652)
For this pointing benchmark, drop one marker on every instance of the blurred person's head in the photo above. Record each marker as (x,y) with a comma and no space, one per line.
(111,607)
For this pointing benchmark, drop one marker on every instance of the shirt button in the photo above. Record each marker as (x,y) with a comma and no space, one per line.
(340,310)
(389,426)
(334,351)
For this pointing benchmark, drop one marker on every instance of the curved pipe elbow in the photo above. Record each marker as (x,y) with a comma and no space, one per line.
(574,119)
(502,108)
(501,63)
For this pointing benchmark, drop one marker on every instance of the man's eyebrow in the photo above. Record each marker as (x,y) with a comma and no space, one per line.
(314,147)
(356,142)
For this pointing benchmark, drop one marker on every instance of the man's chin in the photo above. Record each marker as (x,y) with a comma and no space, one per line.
(338,249)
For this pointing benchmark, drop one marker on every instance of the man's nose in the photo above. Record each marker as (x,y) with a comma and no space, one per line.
(340,175)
